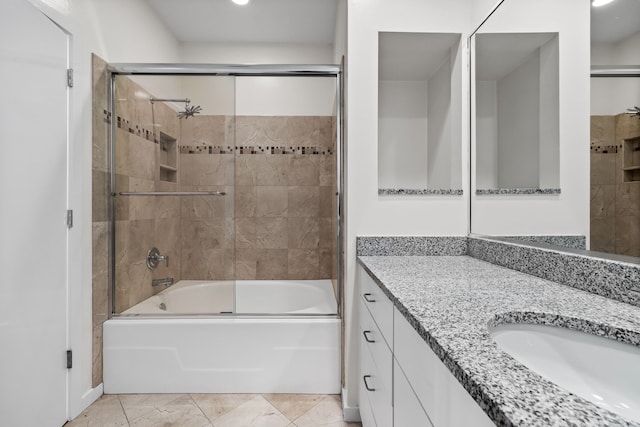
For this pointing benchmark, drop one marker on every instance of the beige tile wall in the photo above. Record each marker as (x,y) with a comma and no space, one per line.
(615,205)
(283,225)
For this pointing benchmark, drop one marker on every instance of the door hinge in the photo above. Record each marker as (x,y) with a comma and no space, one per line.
(69,218)
(70,77)
(69,359)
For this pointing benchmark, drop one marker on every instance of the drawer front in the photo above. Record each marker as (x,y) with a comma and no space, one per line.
(376,363)
(443,398)
(378,304)
(407,411)
(365,396)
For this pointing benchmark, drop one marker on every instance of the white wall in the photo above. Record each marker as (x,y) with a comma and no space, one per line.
(549,114)
(518,126)
(439,141)
(611,96)
(368,213)
(487,130)
(402,134)
(260,96)
(567,213)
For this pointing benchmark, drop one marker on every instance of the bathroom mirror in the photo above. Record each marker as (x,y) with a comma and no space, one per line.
(599,79)
(541,148)
(419,113)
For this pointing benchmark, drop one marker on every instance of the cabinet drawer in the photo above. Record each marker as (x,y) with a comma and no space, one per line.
(443,398)
(365,396)
(377,383)
(378,304)
(407,410)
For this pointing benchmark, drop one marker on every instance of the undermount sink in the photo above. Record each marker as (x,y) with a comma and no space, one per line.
(601,370)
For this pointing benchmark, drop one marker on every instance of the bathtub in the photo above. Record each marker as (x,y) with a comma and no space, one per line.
(202,337)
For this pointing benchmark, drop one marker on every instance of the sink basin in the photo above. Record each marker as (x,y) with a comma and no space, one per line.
(601,370)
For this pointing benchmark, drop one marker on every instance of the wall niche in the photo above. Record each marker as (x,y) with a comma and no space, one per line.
(419,113)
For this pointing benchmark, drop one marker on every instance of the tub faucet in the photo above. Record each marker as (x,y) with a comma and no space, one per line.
(167,281)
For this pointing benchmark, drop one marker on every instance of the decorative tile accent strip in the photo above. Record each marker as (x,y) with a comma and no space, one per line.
(421,192)
(610,278)
(411,246)
(205,149)
(450,301)
(493,191)
(213,149)
(137,130)
(605,149)
(575,242)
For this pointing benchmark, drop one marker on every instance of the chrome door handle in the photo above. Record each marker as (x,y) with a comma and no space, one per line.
(367,296)
(366,337)
(366,385)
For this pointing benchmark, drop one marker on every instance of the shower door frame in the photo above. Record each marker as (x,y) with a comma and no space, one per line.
(255,70)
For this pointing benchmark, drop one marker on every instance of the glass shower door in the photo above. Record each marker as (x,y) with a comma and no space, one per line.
(173,195)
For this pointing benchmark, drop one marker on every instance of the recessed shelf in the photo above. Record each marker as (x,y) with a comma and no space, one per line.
(168,158)
(631,159)
(168,168)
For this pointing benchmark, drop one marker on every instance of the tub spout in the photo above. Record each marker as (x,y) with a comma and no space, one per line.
(167,281)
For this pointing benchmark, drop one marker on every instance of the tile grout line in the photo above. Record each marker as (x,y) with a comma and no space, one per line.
(201,410)
(123,411)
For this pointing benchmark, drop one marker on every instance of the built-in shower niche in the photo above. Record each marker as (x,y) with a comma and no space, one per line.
(168,161)
(631,152)
(517,111)
(419,113)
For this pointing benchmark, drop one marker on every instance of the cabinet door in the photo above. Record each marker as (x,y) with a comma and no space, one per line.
(441,395)
(407,410)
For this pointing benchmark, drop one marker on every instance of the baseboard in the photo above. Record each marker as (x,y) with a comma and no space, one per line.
(351,414)
(92,395)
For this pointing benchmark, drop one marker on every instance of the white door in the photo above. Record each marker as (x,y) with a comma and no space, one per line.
(33,233)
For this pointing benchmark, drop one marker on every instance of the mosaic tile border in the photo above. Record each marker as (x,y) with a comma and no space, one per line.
(125,124)
(605,149)
(271,150)
(419,192)
(518,191)
(411,246)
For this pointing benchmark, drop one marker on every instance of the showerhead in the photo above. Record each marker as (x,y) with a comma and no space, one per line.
(189,111)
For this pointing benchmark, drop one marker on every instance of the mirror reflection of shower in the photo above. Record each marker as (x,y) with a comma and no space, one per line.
(189,110)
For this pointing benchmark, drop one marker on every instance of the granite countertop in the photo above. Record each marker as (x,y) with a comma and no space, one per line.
(451,300)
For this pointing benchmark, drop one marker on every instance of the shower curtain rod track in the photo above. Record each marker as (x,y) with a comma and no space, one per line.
(615,71)
(172,193)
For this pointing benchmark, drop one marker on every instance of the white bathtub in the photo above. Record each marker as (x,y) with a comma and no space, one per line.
(154,350)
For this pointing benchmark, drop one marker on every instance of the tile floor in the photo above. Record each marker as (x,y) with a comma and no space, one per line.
(219,410)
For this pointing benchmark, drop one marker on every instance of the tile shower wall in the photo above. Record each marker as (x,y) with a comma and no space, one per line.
(279,208)
(615,205)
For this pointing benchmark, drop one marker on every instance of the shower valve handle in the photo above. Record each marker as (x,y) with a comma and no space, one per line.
(154,258)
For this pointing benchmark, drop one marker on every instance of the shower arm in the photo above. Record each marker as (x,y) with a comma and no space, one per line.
(185,100)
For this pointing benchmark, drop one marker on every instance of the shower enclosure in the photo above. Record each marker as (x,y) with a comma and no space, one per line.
(225,231)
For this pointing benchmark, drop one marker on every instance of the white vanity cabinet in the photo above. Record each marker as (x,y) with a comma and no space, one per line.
(402,382)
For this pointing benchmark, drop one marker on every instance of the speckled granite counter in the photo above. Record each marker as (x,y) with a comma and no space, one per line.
(450,300)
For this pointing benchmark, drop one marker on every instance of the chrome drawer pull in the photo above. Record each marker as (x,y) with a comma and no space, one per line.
(366,337)
(367,385)
(366,297)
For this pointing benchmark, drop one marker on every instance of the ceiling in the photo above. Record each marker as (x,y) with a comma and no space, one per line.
(313,21)
(261,21)
(615,22)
